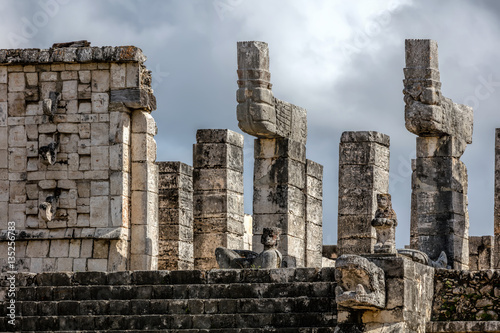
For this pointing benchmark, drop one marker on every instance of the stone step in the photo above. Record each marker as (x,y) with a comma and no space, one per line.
(195,291)
(180,306)
(185,323)
(224,330)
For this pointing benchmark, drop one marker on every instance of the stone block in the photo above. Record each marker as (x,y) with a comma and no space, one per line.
(16,104)
(144,177)
(217,179)
(133,75)
(120,212)
(212,155)
(17,136)
(70,90)
(59,248)
(364,153)
(101,249)
(99,134)
(99,158)
(100,102)
(3,74)
(119,131)
(86,248)
(143,122)
(74,248)
(144,207)
(285,148)
(84,76)
(17,213)
(119,157)
(118,75)
(99,211)
(97,265)
(17,82)
(143,148)
(99,188)
(100,81)
(144,239)
(119,183)
(38,248)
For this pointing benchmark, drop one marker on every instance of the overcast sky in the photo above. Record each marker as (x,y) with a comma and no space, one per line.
(341,60)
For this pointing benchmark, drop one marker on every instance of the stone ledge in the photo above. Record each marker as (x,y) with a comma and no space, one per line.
(192,277)
(463,326)
(69,233)
(365,136)
(72,55)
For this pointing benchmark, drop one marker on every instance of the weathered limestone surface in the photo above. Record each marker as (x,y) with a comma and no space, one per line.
(439,183)
(281,195)
(360,283)
(218,194)
(496,219)
(175,216)
(73,159)
(409,295)
(481,252)
(314,214)
(363,173)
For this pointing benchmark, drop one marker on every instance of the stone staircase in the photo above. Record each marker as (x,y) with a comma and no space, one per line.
(276,300)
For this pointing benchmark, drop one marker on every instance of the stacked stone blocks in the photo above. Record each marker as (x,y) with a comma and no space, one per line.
(65,140)
(440,220)
(218,194)
(363,173)
(175,216)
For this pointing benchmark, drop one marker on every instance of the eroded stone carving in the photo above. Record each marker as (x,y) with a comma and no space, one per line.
(385,223)
(360,283)
(440,219)
(259,113)
(269,258)
(48,153)
(47,209)
(49,105)
(422,258)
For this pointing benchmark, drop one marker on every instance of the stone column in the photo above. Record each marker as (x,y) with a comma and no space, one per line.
(218,194)
(279,172)
(363,173)
(279,199)
(496,220)
(314,214)
(481,254)
(175,216)
(144,214)
(440,178)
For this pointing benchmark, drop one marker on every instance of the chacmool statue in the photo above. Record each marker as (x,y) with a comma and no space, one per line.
(269,258)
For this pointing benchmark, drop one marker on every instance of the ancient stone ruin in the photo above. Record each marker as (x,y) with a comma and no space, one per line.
(107,238)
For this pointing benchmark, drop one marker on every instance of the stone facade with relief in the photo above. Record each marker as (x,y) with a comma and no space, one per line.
(77,158)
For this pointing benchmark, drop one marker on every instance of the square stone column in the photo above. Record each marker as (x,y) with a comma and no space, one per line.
(279,199)
(496,220)
(314,214)
(218,194)
(144,226)
(440,221)
(363,173)
(175,216)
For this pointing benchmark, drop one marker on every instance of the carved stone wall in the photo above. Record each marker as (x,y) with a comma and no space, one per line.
(77,173)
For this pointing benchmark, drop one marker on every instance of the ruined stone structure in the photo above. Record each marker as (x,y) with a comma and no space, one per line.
(440,221)
(77,171)
(281,193)
(363,173)
(218,194)
(78,177)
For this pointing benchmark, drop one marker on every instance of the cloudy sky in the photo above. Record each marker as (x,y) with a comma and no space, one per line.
(341,60)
